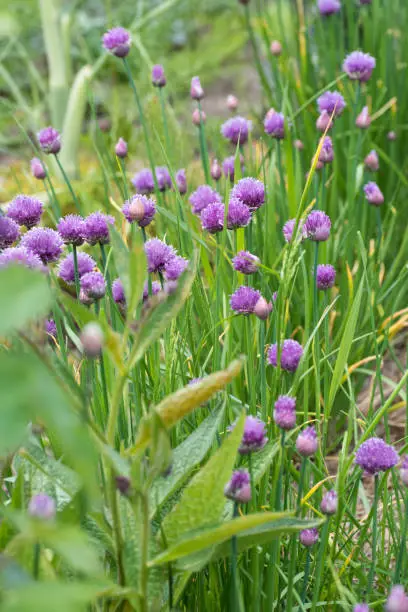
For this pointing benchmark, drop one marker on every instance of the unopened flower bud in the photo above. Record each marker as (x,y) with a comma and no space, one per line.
(122,484)
(196,91)
(92,339)
(262,309)
(324,122)
(121,148)
(232,103)
(363,120)
(371,162)
(276,48)
(37,169)
(329,503)
(42,506)
(216,170)
(392,135)
(298,144)
(198,117)
(136,209)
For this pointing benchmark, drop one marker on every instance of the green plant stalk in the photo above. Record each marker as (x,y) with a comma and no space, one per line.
(374,544)
(399,568)
(293,539)
(76,273)
(117,531)
(144,552)
(262,325)
(320,563)
(326,373)
(203,146)
(258,62)
(36,560)
(164,118)
(306,575)
(317,336)
(68,183)
(273,574)
(234,566)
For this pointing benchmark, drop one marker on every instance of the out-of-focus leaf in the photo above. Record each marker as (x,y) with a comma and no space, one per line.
(25,297)
(185,457)
(51,596)
(177,405)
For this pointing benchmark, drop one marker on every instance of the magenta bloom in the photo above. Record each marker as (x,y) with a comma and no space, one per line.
(174,268)
(397,600)
(139,208)
(121,148)
(245,262)
(50,328)
(290,226)
(250,191)
(66,269)
(244,299)
(49,140)
(212,217)
(274,124)
(37,169)
(239,487)
(196,91)
(329,502)
(359,66)
(254,437)
(118,293)
(404,471)
(25,210)
(158,254)
(117,41)
(22,256)
(309,537)
(228,167)
(9,232)
(373,194)
(325,277)
(284,414)
(291,354)
(236,129)
(158,76)
(93,285)
(156,288)
(181,181)
(374,456)
(42,507)
(44,242)
(71,229)
(238,214)
(216,170)
(202,197)
(318,226)
(143,181)
(361,607)
(372,162)
(96,228)
(163,178)
(328,7)
(306,442)
(326,154)
(331,102)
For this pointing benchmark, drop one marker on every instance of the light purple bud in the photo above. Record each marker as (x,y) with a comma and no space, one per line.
(232,103)
(318,226)
(306,442)
(291,354)
(263,309)
(239,487)
(198,116)
(276,48)
(37,169)
(309,537)
(158,76)
(196,91)
(324,122)
(117,41)
(373,194)
(92,339)
(49,140)
(329,502)
(216,170)
(404,471)
(363,120)
(328,7)
(397,600)
(372,161)
(284,414)
(42,506)
(245,262)
(121,148)
(274,124)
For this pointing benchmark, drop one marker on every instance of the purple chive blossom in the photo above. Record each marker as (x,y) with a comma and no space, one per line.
(9,232)
(212,217)
(290,226)
(37,169)
(331,102)
(328,7)
(238,214)
(163,178)
(50,328)
(239,487)
(139,208)
(318,226)
(22,256)
(274,124)
(404,471)
(158,254)
(202,197)
(325,276)
(117,41)
(244,299)
(42,506)
(44,242)
(373,194)
(49,140)
(216,170)
(236,129)
(71,229)
(96,228)
(254,436)
(196,91)
(175,267)
(372,162)
(25,210)
(66,269)
(361,607)
(374,456)
(291,354)
(284,414)
(158,76)
(397,600)
(363,119)
(143,181)
(93,285)
(181,181)
(118,292)
(156,288)
(329,502)
(228,166)
(309,537)
(326,154)
(306,442)
(250,191)
(121,148)
(245,262)
(359,66)
(324,122)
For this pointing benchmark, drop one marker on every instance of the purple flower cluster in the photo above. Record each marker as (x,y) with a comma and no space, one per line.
(328,7)
(331,102)
(274,124)
(375,456)
(325,276)
(250,191)
(326,154)
(143,181)
(245,262)
(66,269)
(71,229)
(49,141)
(156,288)
(309,537)
(117,41)
(236,129)
(373,194)
(162,258)
(42,507)
(244,299)
(139,209)
(254,437)
(291,354)
(202,197)
(212,217)
(181,181)
(284,414)
(290,226)
(118,292)
(25,210)
(239,487)
(22,256)
(306,442)
(44,242)
(96,228)
(359,66)
(9,232)
(93,285)
(317,226)
(228,167)
(158,76)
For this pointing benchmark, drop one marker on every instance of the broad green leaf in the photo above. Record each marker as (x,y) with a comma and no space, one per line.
(185,457)
(202,502)
(344,349)
(51,596)
(27,298)
(267,523)
(177,405)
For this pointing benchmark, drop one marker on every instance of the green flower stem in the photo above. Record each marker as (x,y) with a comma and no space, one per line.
(36,560)
(117,530)
(124,179)
(273,577)
(203,146)
(399,568)
(164,118)
(234,566)
(54,204)
(293,539)
(321,559)
(261,347)
(144,571)
(68,183)
(306,575)
(76,273)
(374,544)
